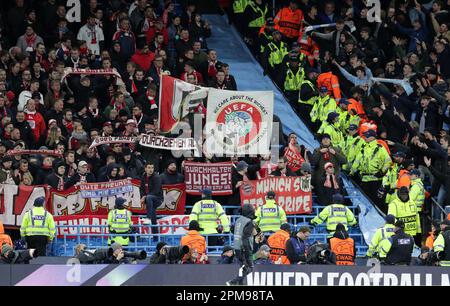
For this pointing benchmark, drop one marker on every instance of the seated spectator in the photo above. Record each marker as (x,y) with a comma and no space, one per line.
(296,246)
(227,256)
(262,256)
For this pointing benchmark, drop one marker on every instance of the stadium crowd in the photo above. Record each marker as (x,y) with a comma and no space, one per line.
(376,93)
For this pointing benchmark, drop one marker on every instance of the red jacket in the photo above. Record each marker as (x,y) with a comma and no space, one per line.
(37,123)
(143,60)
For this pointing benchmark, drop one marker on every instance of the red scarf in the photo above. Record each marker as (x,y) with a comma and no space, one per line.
(151,100)
(30,40)
(328,178)
(212,70)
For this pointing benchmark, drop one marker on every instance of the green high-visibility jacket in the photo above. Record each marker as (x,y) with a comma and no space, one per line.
(372,162)
(270,216)
(407,212)
(38,222)
(382,233)
(207,212)
(333,215)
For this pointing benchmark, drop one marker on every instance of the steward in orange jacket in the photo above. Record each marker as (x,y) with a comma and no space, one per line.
(4,238)
(193,239)
(330,81)
(343,247)
(289,20)
(277,243)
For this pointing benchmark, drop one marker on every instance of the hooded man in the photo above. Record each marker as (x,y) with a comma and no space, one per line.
(112,173)
(171,175)
(244,230)
(57,178)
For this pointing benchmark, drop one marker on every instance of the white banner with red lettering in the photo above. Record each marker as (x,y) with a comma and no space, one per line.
(70,226)
(294,193)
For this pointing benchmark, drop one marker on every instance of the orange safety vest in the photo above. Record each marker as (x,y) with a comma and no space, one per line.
(357,106)
(289,22)
(194,240)
(344,250)
(430,240)
(4,238)
(330,81)
(404,179)
(277,244)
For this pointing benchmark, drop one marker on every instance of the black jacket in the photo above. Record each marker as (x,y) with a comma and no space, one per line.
(401,249)
(153,184)
(170,179)
(292,254)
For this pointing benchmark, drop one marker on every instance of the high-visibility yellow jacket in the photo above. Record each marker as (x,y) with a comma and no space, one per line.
(270,216)
(207,212)
(38,222)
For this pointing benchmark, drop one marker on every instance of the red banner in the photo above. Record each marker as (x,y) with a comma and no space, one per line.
(15,201)
(294,158)
(293,193)
(213,176)
(174,200)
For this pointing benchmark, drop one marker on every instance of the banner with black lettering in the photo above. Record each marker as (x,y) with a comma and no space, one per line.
(165,143)
(294,193)
(109,140)
(213,176)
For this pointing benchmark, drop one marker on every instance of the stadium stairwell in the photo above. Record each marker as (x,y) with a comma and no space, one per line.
(249,76)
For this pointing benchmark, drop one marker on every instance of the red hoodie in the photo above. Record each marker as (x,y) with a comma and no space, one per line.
(143,60)
(36,122)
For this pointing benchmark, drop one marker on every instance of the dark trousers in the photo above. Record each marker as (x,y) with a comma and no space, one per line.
(39,243)
(371,190)
(153,202)
(245,268)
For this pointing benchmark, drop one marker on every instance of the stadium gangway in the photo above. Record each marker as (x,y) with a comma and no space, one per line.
(144,240)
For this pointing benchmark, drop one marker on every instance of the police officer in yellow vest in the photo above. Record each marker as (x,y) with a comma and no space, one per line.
(382,233)
(334,214)
(389,182)
(404,209)
(441,245)
(308,95)
(38,227)
(417,195)
(239,7)
(270,216)
(255,15)
(353,144)
(273,55)
(291,78)
(331,127)
(372,163)
(265,35)
(119,222)
(207,212)
(323,106)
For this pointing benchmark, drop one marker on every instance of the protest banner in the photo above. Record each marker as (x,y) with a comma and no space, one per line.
(213,176)
(105,189)
(238,122)
(108,140)
(293,193)
(164,143)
